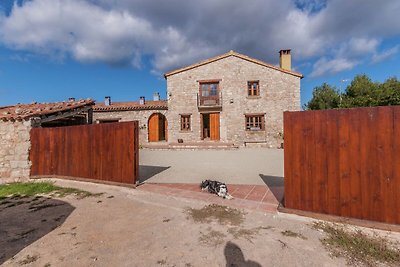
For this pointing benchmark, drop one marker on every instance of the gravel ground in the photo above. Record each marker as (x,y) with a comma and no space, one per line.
(126,227)
(241,166)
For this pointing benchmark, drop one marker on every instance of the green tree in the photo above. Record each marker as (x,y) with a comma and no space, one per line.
(362,92)
(324,97)
(389,92)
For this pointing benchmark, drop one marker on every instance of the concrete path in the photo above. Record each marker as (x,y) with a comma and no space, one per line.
(242,166)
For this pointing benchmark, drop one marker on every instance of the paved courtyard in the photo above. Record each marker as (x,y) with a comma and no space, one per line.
(248,166)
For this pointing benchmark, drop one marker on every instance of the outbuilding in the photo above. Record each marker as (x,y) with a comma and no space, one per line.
(16,122)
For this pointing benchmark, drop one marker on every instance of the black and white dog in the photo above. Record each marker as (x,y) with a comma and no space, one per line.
(215,187)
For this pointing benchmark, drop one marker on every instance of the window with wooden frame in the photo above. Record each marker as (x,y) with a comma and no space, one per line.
(253,88)
(255,122)
(185,122)
(209,88)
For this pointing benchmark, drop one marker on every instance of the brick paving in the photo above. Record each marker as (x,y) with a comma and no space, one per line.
(252,197)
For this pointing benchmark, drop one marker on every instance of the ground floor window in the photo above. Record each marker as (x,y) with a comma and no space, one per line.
(255,122)
(185,122)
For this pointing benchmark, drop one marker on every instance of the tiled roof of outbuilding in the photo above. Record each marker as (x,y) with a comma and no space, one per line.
(26,111)
(235,54)
(133,105)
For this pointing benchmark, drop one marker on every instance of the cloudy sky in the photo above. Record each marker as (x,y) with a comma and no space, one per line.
(54,49)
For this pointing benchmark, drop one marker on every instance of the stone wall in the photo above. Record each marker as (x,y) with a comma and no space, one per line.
(14,151)
(279,92)
(132,115)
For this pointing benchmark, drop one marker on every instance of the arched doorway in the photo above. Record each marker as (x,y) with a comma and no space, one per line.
(158,128)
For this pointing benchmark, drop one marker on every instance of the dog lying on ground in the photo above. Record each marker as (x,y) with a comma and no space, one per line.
(215,187)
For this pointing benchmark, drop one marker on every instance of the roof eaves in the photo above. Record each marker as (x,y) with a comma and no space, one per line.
(198,64)
(110,109)
(9,116)
(268,65)
(232,53)
(84,103)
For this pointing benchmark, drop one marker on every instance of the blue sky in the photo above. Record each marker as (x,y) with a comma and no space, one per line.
(54,49)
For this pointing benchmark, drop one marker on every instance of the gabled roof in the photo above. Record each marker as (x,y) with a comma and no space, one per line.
(133,105)
(232,54)
(26,111)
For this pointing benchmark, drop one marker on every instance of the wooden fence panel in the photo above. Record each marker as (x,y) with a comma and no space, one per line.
(106,152)
(344,162)
(394,180)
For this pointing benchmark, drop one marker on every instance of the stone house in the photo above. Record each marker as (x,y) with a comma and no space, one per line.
(150,114)
(228,99)
(232,98)
(15,125)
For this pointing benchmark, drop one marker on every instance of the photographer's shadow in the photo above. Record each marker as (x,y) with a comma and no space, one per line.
(234,256)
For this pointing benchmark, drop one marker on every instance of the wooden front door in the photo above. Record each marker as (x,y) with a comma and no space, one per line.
(161,127)
(214,126)
(154,128)
(158,128)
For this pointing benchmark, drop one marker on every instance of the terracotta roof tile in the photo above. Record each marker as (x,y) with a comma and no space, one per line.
(133,105)
(26,111)
(235,54)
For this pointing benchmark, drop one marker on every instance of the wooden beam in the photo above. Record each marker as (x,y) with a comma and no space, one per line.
(90,116)
(62,115)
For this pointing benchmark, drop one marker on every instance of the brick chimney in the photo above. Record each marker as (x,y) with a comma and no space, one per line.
(142,100)
(107,100)
(285,59)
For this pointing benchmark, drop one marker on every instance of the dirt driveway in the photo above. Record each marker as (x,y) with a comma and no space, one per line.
(126,227)
(242,166)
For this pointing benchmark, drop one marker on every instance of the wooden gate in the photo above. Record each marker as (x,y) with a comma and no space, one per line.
(214,126)
(344,162)
(105,152)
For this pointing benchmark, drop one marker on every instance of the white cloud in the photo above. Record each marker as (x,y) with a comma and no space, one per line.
(345,57)
(378,57)
(360,46)
(181,32)
(88,32)
(326,66)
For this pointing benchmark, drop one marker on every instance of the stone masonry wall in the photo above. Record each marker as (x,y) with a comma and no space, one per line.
(14,151)
(132,115)
(279,92)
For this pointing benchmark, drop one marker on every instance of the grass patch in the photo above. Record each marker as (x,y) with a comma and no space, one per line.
(358,247)
(80,194)
(293,234)
(247,234)
(212,238)
(223,214)
(28,259)
(20,190)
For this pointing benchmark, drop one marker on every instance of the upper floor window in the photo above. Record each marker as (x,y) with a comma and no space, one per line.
(209,88)
(253,88)
(255,122)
